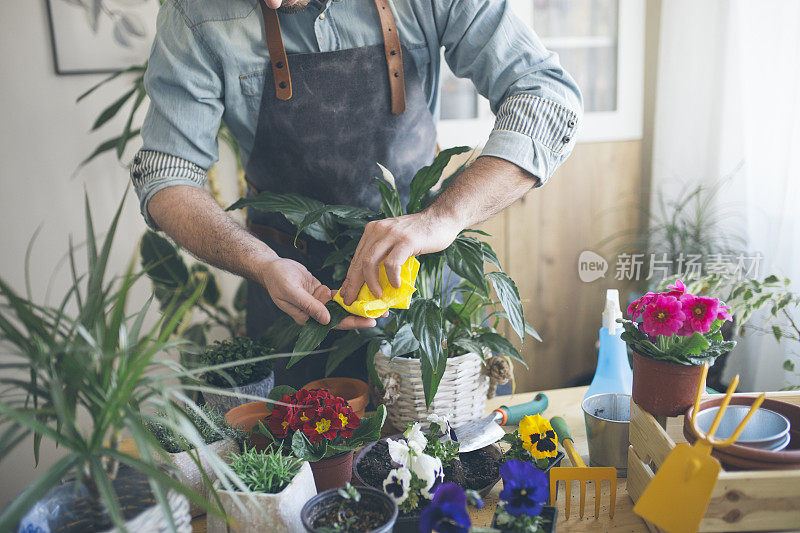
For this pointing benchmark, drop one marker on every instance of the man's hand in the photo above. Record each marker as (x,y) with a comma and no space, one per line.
(300,295)
(392,241)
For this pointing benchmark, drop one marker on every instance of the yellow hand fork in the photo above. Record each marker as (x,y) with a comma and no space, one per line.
(579,472)
(677,497)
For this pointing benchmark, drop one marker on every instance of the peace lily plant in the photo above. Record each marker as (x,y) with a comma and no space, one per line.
(437,320)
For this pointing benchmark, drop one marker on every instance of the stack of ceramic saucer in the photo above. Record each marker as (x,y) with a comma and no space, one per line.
(771,440)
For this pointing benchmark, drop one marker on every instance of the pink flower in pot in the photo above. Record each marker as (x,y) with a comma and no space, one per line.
(663,316)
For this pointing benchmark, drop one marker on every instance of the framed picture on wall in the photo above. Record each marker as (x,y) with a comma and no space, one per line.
(96,36)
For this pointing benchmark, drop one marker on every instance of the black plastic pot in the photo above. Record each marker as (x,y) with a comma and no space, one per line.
(550,515)
(555,461)
(371,498)
(70,509)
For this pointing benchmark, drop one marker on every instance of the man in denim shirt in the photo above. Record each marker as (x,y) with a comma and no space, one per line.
(318,92)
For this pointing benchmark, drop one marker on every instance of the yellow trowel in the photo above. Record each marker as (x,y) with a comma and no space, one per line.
(677,497)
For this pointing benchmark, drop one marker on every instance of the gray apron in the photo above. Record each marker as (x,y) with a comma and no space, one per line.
(325,120)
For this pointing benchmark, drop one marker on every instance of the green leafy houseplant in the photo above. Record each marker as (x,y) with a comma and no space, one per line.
(89,355)
(445,319)
(210,423)
(265,471)
(236,349)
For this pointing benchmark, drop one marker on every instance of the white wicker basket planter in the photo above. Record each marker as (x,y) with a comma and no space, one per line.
(190,474)
(266,512)
(461,394)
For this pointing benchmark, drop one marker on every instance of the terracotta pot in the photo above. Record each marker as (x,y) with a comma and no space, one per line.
(333,472)
(663,389)
(737,456)
(354,391)
(247,416)
(266,512)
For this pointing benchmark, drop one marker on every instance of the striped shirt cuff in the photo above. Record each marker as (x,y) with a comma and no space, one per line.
(534,133)
(152,171)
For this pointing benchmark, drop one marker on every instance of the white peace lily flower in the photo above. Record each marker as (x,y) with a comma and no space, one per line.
(416,438)
(397,483)
(399,452)
(429,470)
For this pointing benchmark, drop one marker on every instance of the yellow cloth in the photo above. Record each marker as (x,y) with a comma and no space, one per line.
(368,306)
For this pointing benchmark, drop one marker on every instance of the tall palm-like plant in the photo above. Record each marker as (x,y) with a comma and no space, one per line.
(89,356)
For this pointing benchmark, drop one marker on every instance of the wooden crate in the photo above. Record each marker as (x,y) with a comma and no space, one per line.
(752,500)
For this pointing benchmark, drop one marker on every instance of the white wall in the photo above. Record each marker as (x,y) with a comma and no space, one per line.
(44,136)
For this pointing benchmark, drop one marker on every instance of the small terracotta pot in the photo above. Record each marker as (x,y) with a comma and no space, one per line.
(333,472)
(354,391)
(663,389)
(247,416)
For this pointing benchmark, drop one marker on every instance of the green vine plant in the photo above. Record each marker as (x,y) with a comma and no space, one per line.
(746,296)
(445,319)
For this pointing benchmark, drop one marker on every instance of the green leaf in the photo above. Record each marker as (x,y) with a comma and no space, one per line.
(294,207)
(107,147)
(136,68)
(499,344)
(344,348)
(369,430)
(372,349)
(777,333)
(109,112)
(788,365)
(429,176)
(303,449)
(470,345)
(162,262)
(279,391)
(692,345)
(425,318)
(489,254)
(404,341)
(313,333)
(240,298)
(465,258)
(200,273)
(508,294)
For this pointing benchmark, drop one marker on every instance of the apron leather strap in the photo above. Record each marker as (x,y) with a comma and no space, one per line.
(391,44)
(277,53)
(394,56)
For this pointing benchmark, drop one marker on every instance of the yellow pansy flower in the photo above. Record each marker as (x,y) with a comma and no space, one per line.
(368,306)
(538,437)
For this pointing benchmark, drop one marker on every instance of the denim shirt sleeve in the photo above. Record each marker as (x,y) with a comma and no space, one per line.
(536,102)
(179,132)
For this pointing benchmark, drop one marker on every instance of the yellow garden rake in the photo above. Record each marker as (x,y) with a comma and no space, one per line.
(581,473)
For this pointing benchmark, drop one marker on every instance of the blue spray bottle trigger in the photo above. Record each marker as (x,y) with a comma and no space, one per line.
(613,373)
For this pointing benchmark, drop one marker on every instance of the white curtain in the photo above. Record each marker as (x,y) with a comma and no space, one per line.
(728,105)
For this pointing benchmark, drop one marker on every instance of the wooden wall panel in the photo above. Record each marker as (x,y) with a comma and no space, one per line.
(593,196)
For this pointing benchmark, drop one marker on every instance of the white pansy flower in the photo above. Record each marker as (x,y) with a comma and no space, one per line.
(416,438)
(399,452)
(397,484)
(430,471)
(440,420)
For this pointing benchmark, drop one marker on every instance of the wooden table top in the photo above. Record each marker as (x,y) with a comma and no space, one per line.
(565,403)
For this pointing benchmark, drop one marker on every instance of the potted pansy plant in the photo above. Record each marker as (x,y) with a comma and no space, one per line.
(534,441)
(522,500)
(314,425)
(671,334)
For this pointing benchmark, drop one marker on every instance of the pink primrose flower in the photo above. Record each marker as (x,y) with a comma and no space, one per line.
(664,316)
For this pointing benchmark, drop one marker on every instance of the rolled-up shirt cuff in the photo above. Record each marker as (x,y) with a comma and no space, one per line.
(533,133)
(153,171)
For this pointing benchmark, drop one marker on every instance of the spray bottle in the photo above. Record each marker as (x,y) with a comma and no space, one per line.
(613,372)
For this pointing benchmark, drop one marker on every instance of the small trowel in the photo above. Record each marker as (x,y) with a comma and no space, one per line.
(485,431)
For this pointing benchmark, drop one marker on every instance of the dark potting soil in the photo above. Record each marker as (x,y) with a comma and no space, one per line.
(476,469)
(366,519)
